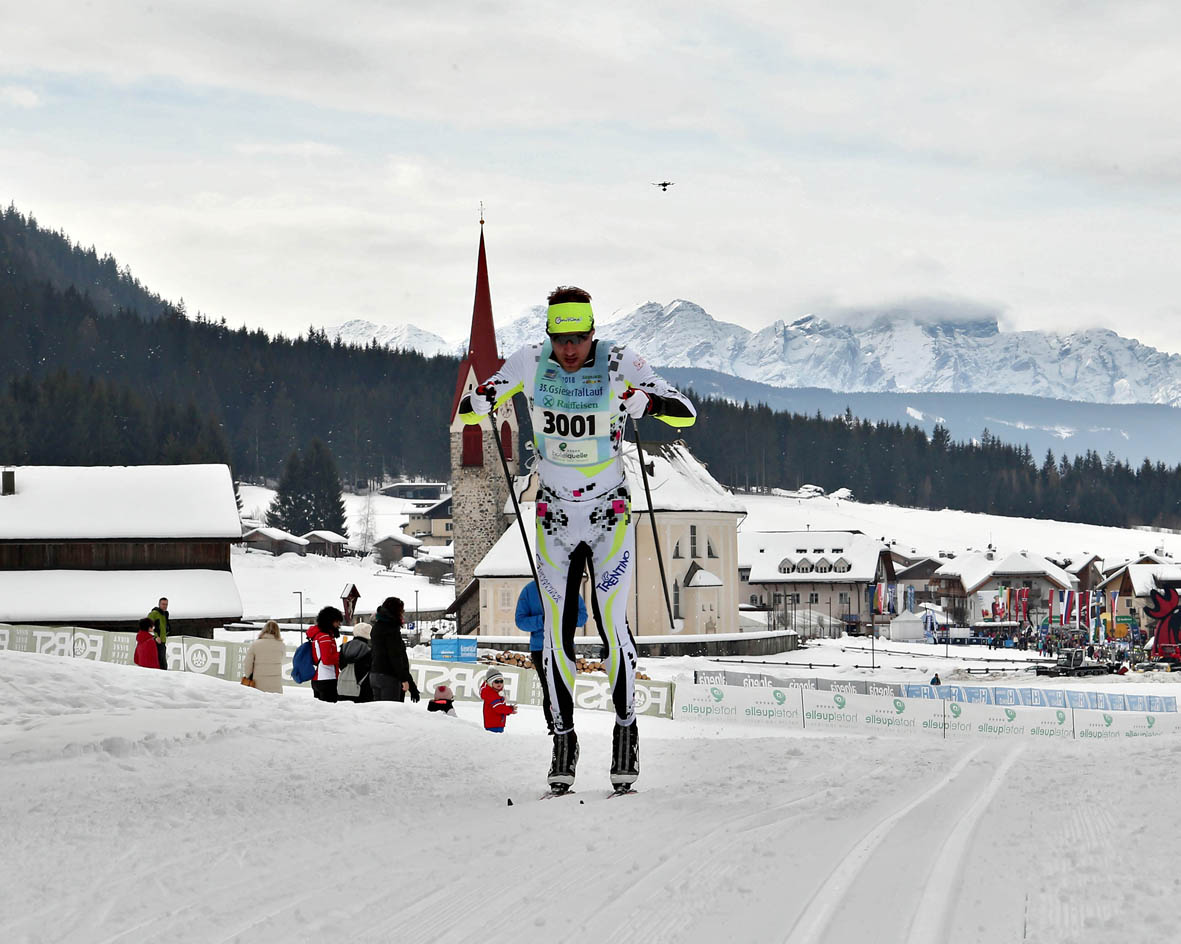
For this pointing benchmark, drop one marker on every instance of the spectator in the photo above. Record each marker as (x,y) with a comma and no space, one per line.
(146,653)
(389,673)
(935,679)
(323,636)
(496,709)
(264,660)
(159,618)
(530,619)
(443,701)
(356,654)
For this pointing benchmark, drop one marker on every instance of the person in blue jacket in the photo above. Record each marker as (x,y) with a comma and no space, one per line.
(531,619)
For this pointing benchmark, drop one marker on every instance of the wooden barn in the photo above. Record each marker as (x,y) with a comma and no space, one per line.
(275,541)
(97,546)
(326,543)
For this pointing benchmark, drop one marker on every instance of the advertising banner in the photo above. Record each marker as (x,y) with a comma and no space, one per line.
(1113,725)
(208,656)
(871,714)
(453,650)
(769,707)
(522,687)
(1000,721)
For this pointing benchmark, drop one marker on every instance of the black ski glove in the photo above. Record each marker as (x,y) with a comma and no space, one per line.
(414,696)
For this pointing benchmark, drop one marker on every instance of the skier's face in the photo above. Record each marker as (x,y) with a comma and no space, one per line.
(573,349)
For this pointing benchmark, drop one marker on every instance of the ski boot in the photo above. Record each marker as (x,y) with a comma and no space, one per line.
(625,757)
(565,759)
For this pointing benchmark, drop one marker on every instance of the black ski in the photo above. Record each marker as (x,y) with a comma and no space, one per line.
(552,794)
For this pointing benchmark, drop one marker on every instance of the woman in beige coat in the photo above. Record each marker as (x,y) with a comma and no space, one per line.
(264,659)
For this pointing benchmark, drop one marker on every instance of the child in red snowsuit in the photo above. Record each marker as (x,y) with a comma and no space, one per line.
(146,653)
(496,709)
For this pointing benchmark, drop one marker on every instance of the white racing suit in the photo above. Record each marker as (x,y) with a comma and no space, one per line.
(583,502)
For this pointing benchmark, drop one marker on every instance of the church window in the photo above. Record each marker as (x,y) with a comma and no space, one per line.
(473,446)
(506,440)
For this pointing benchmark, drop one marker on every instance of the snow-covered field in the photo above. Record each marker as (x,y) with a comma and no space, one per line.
(152,806)
(270,586)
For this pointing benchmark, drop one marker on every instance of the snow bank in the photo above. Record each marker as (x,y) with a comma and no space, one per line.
(148,806)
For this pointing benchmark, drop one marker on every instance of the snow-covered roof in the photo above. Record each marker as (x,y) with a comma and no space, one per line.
(677,480)
(764,551)
(976,569)
(111,502)
(1145,559)
(1077,563)
(29,596)
(703,578)
(1144,576)
(399,538)
(330,537)
(277,534)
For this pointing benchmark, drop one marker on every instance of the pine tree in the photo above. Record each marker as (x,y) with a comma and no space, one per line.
(290,510)
(325,502)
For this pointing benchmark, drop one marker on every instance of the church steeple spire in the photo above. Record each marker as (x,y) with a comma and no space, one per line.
(481,356)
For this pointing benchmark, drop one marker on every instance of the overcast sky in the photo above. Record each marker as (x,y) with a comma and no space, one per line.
(288,163)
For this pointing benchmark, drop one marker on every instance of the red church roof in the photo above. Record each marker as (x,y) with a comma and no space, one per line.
(482,355)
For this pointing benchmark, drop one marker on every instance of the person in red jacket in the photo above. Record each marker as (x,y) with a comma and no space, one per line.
(496,709)
(146,653)
(325,655)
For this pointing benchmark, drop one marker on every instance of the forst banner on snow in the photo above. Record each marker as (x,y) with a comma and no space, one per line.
(224,659)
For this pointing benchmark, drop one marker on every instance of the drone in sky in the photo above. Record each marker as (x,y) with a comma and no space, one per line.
(664,185)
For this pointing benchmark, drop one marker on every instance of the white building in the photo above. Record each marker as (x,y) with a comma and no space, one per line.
(98,546)
(814,581)
(959,583)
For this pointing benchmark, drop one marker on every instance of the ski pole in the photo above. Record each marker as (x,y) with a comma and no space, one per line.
(655,537)
(508,477)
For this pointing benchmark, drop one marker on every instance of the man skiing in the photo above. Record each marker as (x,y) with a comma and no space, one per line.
(580,392)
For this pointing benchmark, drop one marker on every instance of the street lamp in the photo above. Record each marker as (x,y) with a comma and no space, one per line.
(416,626)
(299,593)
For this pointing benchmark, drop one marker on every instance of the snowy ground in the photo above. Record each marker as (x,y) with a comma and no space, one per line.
(151,806)
(268,585)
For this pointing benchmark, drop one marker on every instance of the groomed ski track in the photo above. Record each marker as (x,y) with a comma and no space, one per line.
(141,806)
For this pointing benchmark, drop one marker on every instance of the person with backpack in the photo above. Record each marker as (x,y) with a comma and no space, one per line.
(325,656)
(389,672)
(356,660)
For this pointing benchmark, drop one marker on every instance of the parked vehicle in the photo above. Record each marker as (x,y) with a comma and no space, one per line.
(1074,662)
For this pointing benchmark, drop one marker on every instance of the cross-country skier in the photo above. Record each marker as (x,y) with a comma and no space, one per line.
(581,392)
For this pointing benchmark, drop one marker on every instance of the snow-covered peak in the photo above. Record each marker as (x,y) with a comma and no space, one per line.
(919,347)
(401,337)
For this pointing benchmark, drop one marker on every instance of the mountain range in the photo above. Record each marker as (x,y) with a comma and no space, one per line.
(899,353)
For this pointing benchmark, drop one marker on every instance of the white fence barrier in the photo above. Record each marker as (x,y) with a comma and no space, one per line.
(224,659)
(807,709)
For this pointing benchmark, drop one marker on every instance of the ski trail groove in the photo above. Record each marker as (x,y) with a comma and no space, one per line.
(817,914)
(935,906)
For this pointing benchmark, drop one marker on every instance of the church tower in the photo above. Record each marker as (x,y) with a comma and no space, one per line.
(479,491)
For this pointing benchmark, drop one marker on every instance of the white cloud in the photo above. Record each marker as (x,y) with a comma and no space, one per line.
(19,96)
(1020,158)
